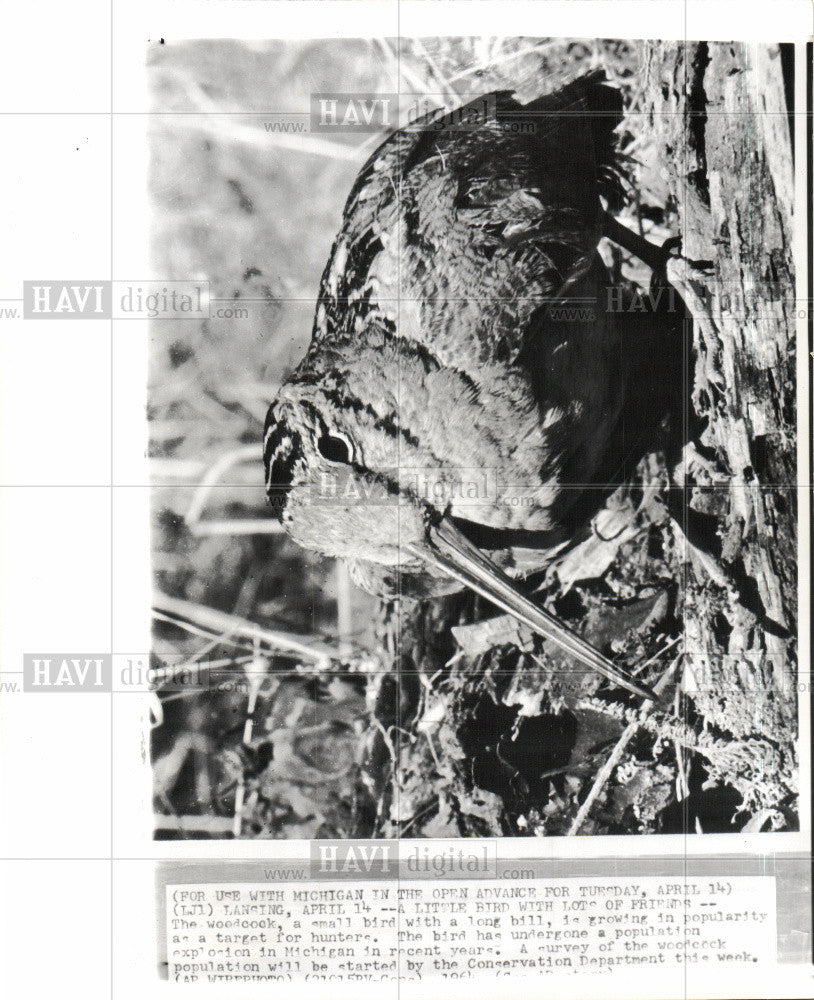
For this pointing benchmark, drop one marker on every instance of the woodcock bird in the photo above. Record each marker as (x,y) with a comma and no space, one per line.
(465,378)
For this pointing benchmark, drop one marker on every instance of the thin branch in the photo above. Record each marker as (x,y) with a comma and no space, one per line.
(220,621)
(615,758)
(236,526)
(199,824)
(247,453)
(226,130)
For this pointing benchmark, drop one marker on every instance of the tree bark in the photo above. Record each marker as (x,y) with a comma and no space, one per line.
(719,111)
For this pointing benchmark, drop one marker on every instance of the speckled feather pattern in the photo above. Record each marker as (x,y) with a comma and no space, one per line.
(434,343)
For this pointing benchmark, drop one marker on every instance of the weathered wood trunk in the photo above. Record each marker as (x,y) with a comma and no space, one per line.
(720,113)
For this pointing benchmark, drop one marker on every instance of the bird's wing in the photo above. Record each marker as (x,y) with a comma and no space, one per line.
(460,228)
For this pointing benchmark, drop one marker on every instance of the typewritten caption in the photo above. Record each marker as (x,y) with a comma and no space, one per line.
(420,930)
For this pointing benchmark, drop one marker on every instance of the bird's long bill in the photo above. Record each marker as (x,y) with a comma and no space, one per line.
(448,549)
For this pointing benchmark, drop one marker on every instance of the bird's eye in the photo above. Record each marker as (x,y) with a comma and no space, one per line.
(335,447)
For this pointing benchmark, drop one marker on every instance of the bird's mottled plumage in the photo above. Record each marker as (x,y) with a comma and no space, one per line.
(464,374)
(435,344)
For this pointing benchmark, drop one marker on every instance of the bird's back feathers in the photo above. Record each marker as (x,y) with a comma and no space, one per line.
(461,226)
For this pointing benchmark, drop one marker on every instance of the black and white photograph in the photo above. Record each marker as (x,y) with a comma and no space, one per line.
(406,499)
(474,496)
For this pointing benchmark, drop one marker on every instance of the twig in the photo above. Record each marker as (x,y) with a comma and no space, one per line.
(682,784)
(220,621)
(225,638)
(175,468)
(163,679)
(451,97)
(237,819)
(209,117)
(213,474)
(201,824)
(231,526)
(232,132)
(236,526)
(615,758)
(422,812)
(500,60)
(658,655)
(407,72)
(344,609)
(387,741)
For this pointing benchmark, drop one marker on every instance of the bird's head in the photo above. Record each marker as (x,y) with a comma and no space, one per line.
(323,486)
